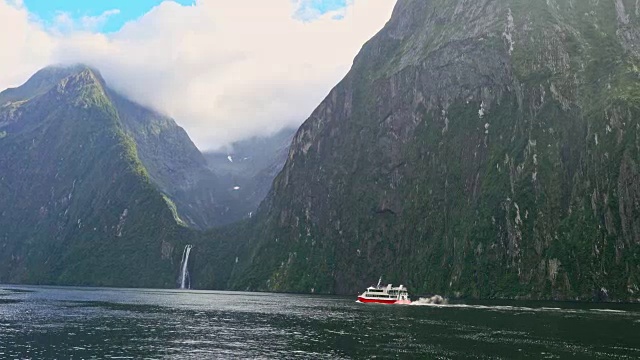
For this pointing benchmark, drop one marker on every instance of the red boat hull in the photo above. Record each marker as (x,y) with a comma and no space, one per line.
(376,301)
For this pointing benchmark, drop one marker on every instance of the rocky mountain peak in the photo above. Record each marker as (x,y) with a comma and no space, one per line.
(83,76)
(47,78)
(86,86)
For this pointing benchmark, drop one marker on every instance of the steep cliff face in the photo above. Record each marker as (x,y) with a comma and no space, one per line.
(482,148)
(78,206)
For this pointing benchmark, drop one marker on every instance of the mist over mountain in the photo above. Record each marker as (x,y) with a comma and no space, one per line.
(226,70)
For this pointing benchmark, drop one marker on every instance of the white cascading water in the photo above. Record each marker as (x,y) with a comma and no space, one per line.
(185,281)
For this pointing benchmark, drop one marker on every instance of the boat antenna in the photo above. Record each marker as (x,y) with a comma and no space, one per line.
(379,281)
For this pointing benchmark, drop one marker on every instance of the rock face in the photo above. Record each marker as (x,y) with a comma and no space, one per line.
(481,148)
(85,196)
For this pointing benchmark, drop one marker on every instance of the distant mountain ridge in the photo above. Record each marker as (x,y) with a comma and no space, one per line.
(249,167)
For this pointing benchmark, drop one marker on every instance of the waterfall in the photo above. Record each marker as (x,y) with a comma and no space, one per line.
(185,280)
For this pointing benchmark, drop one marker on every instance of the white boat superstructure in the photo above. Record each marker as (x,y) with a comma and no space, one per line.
(385,295)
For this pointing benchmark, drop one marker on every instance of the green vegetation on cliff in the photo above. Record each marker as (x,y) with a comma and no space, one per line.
(98,190)
(477,148)
(78,206)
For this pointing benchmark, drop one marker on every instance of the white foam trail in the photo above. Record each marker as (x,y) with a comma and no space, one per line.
(610,311)
(434,300)
(428,302)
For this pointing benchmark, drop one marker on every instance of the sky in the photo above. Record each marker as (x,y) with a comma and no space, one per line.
(108,15)
(224,70)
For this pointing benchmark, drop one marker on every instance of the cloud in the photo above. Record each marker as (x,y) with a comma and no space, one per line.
(26,47)
(225,70)
(309,10)
(93,23)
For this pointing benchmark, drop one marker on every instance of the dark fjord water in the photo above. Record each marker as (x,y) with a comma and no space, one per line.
(79,323)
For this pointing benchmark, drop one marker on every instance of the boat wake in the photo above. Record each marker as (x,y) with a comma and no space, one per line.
(439,302)
(434,300)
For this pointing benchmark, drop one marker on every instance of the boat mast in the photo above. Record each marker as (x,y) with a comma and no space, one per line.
(379,281)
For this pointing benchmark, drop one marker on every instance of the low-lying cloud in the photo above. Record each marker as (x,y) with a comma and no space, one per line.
(225,70)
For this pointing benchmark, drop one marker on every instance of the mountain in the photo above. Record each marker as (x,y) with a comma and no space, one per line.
(483,149)
(172,161)
(247,169)
(96,189)
(477,148)
(175,165)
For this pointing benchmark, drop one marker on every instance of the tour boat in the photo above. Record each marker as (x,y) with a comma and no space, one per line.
(385,295)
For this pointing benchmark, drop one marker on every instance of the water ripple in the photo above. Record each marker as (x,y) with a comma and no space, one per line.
(124,323)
